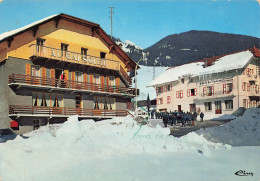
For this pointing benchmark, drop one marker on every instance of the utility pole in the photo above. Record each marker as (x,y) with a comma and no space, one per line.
(111,17)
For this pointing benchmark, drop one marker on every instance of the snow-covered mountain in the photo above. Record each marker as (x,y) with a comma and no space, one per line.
(178,49)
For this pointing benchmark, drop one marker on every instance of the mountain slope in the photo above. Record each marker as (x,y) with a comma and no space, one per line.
(191,46)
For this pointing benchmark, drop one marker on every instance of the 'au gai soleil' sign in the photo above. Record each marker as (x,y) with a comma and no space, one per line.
(78,57)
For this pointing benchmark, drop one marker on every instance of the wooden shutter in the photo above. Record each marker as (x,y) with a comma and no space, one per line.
(188,92)
(43,70)
(204,91)
(162,100)
(91,78)
(195,91)
(28,73)
(52,74)
(117,81)
(85,77)
(66,74)
(102,81)
(243,86)
(73,79)
(162,89)
(157,101)
(224,88)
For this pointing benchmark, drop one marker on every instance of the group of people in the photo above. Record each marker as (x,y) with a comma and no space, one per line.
(173,118)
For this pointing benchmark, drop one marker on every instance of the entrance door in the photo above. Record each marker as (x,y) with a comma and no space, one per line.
(192,107)
(179,108)
(78,104)
(58,73)
(218,109)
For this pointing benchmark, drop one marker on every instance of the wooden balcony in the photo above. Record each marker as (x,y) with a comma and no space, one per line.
(21,110)
(20,80)
(58,55)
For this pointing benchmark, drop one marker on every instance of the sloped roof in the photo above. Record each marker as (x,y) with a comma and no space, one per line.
(118,51)
(217,64)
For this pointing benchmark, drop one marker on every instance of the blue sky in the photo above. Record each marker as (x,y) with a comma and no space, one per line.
(143,22)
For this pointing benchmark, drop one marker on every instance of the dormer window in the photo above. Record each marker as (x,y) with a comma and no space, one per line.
(40,41)
(102,55)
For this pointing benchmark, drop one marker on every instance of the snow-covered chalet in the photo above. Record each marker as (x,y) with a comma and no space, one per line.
(61,66)
(214,86)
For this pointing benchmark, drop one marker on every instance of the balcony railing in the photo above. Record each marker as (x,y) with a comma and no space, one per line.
(73,57)
(217,93)
(62,111)
(50,53)
(69,84)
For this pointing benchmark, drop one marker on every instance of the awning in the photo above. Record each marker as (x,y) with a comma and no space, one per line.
(14,124)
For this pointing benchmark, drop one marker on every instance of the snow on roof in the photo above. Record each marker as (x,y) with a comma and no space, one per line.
(13,32)
(225,63)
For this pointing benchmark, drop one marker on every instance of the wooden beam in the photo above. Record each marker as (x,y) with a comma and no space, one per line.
(10,40)
(93,30)
(57,21)
(35,29)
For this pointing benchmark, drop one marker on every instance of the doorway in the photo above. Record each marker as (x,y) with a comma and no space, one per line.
(192,107)
(218,109)
(78,104)
(179,108)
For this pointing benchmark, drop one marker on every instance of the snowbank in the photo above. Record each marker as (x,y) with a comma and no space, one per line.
(243,131)
(118,149)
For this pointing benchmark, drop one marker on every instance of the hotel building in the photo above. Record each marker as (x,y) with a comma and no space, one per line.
(61,66)
(214,86)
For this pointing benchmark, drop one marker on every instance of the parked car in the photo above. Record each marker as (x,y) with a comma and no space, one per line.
(6,134)
(141,116)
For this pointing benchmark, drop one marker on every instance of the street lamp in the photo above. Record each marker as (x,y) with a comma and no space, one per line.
(142,57)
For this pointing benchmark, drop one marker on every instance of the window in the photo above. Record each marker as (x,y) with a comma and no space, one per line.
(248,86)
(102,55)
(79,76)
(104,103)
(46,99)
(35,70)
(84,51)
(158,89)
(210,90)
(244,103)
(182,80)
(165,88)
(112,81)
(96,79)
(191,92)
(40,42)
(208,106)
(64,48)
(161,100)
(243,86)
(229,87)
(169,87)
(229,104)
(168,99)
(179,94)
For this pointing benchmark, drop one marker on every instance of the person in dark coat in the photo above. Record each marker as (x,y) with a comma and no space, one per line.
(165,120)
(152,114)
(195,116)
(171,119)
(156,115)
(201,116)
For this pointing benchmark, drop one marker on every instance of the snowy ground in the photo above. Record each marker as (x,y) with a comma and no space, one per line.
(119,149)
(145,75)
